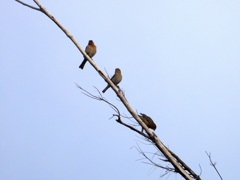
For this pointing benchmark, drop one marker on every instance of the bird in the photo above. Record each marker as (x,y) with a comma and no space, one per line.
(148,121)
(116,78)
(90,50)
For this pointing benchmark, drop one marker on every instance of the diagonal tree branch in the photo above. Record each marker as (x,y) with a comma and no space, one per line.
(152,136)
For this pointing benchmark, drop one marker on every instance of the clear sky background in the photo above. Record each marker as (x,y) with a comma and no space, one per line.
(180,65)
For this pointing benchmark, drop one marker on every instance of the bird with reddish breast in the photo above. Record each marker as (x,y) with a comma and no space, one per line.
(90,50)
(116,78)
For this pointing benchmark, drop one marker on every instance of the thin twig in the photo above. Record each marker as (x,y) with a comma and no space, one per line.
(213,164)
(151,162)
(32,7)
(132,128)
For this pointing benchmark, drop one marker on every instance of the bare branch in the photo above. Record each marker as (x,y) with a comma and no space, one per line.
(213,164)
(151,162)
(132,128)
(188,169)
(32,7)
(200,170)
(177,164)
(101,98)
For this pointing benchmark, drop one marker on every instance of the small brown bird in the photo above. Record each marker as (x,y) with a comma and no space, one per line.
(148,121)
(116,78)
(91,50)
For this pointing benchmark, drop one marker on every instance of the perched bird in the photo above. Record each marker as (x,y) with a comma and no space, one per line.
(91,50)
(116,78)
(148,121)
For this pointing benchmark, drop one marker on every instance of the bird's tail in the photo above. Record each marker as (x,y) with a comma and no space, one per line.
(106,88)
(83,64)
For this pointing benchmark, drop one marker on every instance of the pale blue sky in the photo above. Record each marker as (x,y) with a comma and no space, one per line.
(180,65)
